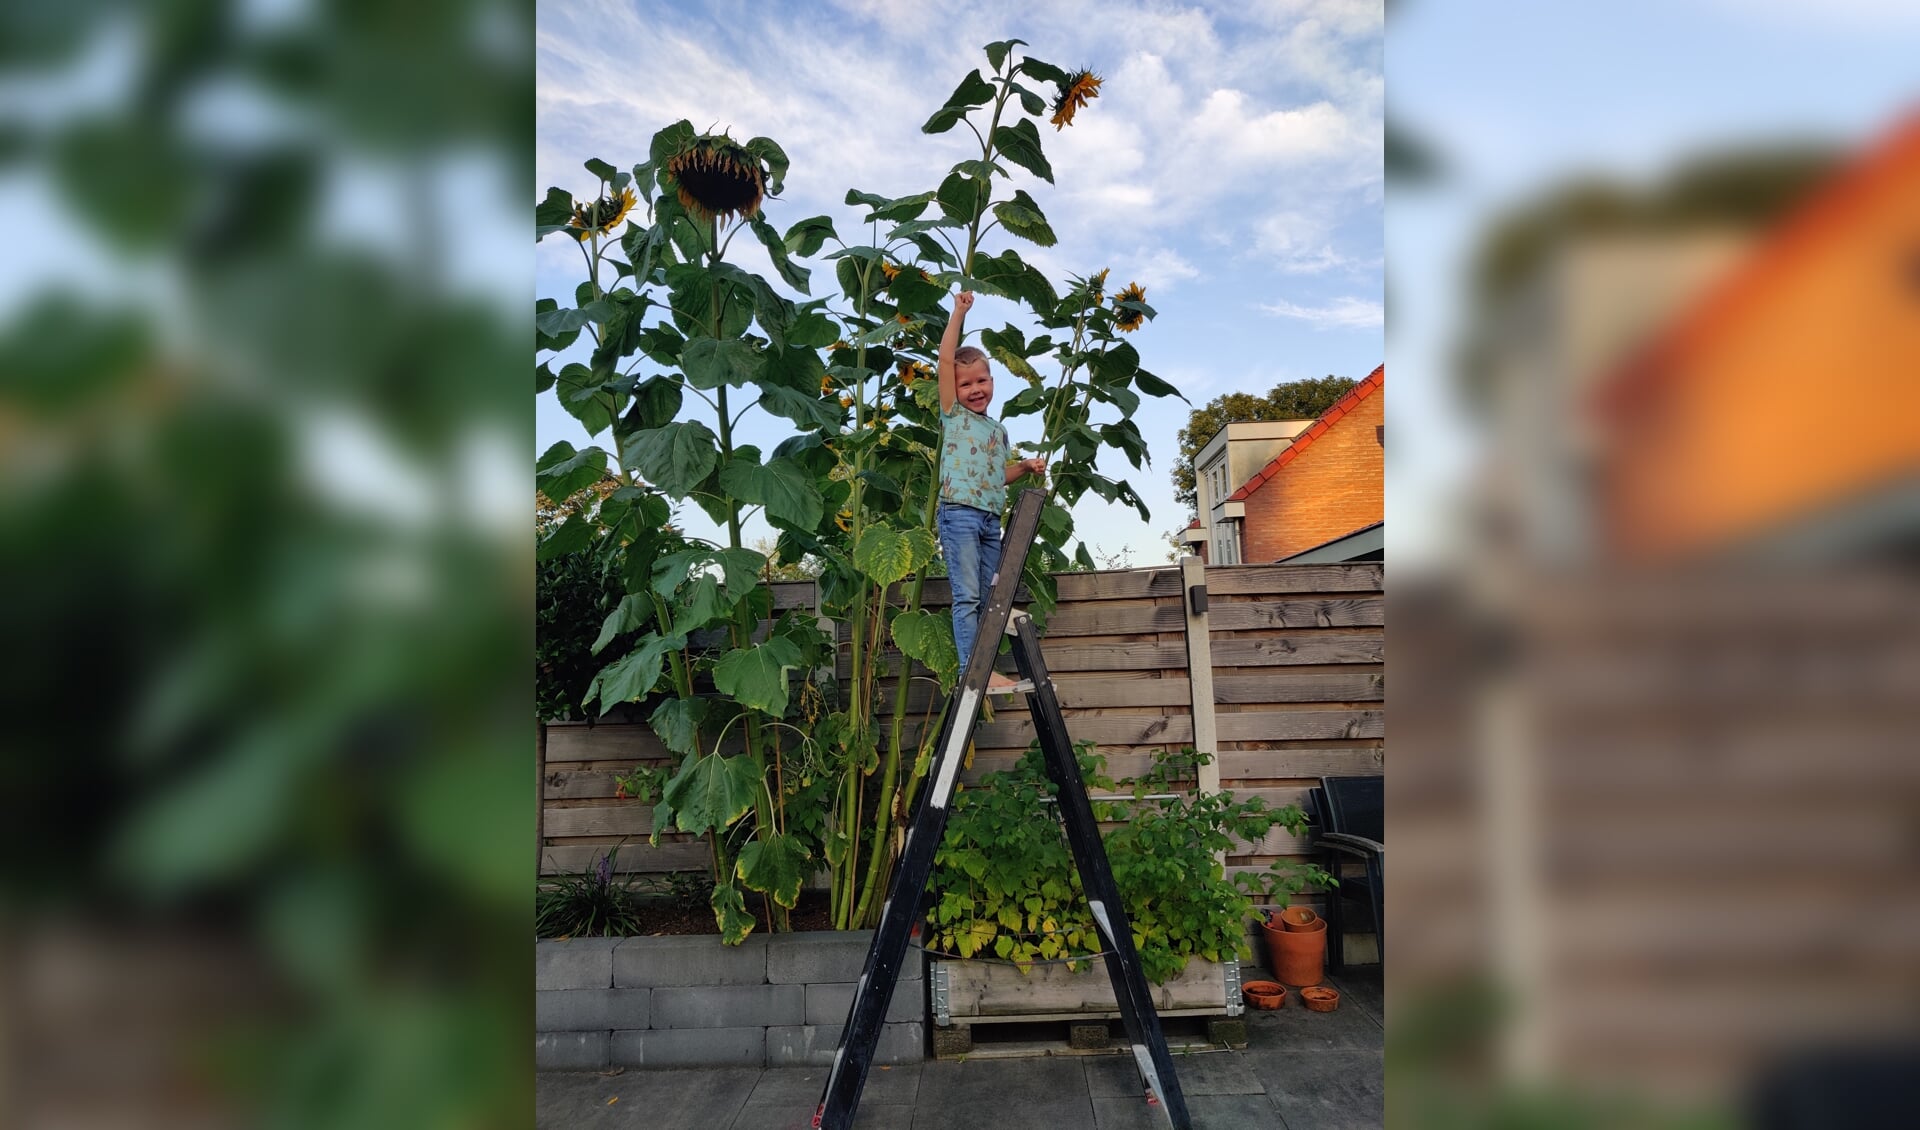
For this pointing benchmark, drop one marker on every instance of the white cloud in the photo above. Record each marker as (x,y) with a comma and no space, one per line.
(1341,314)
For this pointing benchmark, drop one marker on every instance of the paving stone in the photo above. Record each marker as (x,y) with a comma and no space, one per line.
(569,1051)
(829,1004)
(688,1099)
(886,1085)
(1206,1112)
(1293,1028)
(869,1116)
(1337,1090)
(1362,987)
(1203,1073)
(1004,1094)
(691,1047)
(699,959)
(814,1044)
(728,1006)
(576,963)
(580,1010)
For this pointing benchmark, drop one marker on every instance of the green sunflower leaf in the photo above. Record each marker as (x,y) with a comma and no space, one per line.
(1023,217)
(775,864)
(634,675)
(782,486)
(710,791)
(675,457)
(543,378)
(1045,72)
(757,676)
(923,545)
(928,637)
(963,198)
(883,554)
(580,394)
(1153,386)
(1020,143)
(805,411)
(562,471)
(656,401)
(793,274)
(730,913)
(742,568)
(601,169)
(700,604)
(1029,101)
(571,536)
(972,91)
(676,722)
(633,612)
(551,215)
(997,51)
(809,235)
(711,363)
(766,149)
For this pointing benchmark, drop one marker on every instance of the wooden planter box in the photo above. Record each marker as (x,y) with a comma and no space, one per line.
(963,994)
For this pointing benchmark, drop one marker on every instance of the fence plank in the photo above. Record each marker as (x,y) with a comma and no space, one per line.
(1078,691)
(1241,651)
(1234,615)
(1114,619)
(608,741)
(1269,764)
(633,859)
(1291,687)
(1227,580)
(1301,725)
(1111,586)
(600,820)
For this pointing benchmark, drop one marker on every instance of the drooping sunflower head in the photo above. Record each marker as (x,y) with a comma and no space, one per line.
(601,215)
(1124,319)
(717,178)
(1080,88)
(1097,286)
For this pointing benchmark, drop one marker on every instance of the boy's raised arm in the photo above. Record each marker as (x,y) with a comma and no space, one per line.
(950,341)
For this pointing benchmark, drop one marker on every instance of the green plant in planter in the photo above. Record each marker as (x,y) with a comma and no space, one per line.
(1005,886)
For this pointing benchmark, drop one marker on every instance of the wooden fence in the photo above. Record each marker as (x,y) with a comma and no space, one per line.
(1290,686)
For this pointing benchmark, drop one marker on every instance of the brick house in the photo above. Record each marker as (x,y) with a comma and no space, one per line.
(1324,487)
(1775,418)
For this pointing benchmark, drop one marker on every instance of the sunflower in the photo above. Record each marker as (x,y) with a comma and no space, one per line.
(601,215)
(717,177)
(890,270)
(1081,87)
(1126,320)
(1097,286)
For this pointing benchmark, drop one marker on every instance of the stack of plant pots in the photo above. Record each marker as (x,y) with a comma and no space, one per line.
(1297,946)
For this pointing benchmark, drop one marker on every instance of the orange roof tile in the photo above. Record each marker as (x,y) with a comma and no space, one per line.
(1375,380)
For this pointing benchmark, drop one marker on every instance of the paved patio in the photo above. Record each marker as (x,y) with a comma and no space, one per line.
(1300,1070)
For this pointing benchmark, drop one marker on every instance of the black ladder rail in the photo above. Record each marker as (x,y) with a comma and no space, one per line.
(901,911)
(1137,1013)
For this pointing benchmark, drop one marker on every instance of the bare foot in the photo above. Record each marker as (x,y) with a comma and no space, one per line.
(999,682)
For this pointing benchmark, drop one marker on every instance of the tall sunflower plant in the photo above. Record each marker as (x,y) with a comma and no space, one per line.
(670,346)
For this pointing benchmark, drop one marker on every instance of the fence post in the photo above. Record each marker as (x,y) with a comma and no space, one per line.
(1193,596)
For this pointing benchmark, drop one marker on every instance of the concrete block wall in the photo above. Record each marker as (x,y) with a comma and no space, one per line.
(776,1001)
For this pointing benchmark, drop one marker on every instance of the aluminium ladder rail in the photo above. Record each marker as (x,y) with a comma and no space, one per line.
(900,913)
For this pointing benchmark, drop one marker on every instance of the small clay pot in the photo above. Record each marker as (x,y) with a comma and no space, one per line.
(1301,918)
(1264,994)
(1320,998)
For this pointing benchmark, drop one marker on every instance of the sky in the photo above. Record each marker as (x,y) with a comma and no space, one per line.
(1515,98)
(1231,165)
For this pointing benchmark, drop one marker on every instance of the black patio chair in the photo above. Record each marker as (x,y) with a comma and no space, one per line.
(1352,828)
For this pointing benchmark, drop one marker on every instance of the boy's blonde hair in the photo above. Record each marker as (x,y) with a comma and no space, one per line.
(968,355)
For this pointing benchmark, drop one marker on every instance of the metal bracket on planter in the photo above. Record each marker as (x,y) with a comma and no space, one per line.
(937,985)
(1236,1002)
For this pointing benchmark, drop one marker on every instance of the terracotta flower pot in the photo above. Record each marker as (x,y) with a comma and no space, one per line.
(1298,957)
(1264,994)
(1320,998)
(1301,918)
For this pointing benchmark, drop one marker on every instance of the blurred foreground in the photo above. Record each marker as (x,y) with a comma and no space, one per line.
(1655,803)
(262,525)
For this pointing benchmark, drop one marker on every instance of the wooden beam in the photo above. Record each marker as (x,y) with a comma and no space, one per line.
(1193,587)
(1305,648)
(1228,580)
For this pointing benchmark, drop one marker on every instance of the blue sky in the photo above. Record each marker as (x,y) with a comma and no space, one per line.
(1231,165)
(1518,97)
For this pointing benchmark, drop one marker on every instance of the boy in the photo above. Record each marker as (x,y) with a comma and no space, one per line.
(974,474)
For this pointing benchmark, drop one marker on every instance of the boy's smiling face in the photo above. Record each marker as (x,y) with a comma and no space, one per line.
(973,386)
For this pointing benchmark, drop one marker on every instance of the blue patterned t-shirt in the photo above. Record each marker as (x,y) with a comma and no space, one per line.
(973,461)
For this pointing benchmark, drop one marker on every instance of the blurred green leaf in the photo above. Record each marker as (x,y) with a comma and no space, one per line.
(757,676)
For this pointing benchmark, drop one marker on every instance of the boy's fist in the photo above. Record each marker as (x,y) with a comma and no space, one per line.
(1036,466)
(963,302)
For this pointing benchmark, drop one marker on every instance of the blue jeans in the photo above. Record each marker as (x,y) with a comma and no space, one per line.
(970,540)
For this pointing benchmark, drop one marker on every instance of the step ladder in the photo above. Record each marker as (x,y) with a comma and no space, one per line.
(900,915)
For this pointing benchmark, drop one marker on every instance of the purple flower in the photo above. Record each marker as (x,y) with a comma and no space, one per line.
(604,869)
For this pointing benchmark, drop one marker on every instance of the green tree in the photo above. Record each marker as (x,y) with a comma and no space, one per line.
(1292,400)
